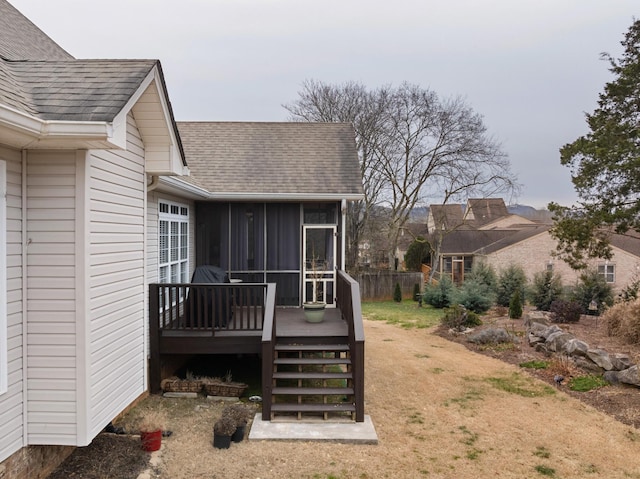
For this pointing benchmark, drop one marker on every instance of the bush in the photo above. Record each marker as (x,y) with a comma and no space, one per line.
(630,291)
(593,287)
(475,296)
(511,279)
(484,274)
(416,292)
(457,317)
(417,253)
(623,321)
(397,293)
(515,306)
(565,311)
(546,288)
(439,295)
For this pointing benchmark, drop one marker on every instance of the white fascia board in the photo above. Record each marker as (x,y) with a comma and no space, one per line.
(180,187)
(120,121)
(284,197)
(38,131)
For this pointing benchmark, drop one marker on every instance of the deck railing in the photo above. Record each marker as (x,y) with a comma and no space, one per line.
(180,312)
(348,300)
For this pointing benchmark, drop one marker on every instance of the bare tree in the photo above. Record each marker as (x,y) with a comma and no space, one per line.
(350,103)
(413,147)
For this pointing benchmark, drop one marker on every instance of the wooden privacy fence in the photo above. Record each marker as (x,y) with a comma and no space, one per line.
(380,284)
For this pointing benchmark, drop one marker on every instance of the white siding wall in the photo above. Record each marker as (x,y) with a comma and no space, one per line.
(116,279)
(51,298)
(11,402)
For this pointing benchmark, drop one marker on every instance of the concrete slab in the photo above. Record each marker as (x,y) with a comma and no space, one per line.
(180,395)
(344,432)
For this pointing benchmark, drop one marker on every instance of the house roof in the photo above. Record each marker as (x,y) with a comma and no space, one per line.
(449,216)
(485,210)
(516,235)
(466,241)
(273,160)
(20,39)
(72,90)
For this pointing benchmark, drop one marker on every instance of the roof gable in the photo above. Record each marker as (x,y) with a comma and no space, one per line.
(273,160)
(485,210)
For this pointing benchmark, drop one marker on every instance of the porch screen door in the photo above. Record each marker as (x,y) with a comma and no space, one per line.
(319,263)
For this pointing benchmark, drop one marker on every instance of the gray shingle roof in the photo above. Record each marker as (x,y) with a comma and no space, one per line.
(305,159)
(485,210)
(22,40)
(74,90)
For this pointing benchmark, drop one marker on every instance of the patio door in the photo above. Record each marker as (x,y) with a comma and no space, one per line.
(319,263)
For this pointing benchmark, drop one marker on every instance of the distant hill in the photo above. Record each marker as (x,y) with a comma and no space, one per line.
(543,216)
(420,214)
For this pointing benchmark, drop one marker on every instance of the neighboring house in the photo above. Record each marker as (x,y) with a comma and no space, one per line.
(502,239)
(96,204)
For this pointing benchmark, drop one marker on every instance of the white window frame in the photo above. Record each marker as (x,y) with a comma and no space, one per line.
(4,365)
(174,256)
(607,270)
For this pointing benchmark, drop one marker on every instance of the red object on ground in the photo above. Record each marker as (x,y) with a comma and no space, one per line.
(151,441)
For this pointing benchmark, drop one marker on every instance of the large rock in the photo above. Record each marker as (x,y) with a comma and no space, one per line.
(555,341)
(575,347)
(611,377)
(630,376)
(536,317)
(549,330)
(601,358)
(536,328)
(620,361)
(533,339)
(587,365)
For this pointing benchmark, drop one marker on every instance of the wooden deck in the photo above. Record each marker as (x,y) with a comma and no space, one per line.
(187,319)
(290,322)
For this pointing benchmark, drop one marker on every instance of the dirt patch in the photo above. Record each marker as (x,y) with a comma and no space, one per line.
(440,411)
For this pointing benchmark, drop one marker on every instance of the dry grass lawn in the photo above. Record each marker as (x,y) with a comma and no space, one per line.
(440,411)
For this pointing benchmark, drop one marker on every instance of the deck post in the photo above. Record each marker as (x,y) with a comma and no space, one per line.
(268,344)
(154,339)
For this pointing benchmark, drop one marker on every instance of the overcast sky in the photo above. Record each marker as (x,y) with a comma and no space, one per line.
(531,68)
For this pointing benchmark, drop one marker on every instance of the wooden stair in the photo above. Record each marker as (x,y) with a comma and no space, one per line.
(312,381)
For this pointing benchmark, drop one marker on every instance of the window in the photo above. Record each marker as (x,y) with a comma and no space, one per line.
(173,243)
(3,278)
(608,272)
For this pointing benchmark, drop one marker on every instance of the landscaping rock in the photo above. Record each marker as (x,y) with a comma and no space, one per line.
(575,347)
(533,339)
(601,358)
(630,376)
(620,361)
(537,317)
(548,331)
(587,365)
(611,377)
(536,328)
(555,341)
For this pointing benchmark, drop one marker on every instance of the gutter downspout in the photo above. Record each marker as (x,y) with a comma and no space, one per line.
(343,246)
(25,244)
(155,181)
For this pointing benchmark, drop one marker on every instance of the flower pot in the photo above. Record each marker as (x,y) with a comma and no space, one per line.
(314,312)
(238,436)
(151,440)
(221,442)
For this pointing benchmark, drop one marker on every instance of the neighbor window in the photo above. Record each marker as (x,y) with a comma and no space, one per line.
(173,243)
(3,278)
(608,272)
